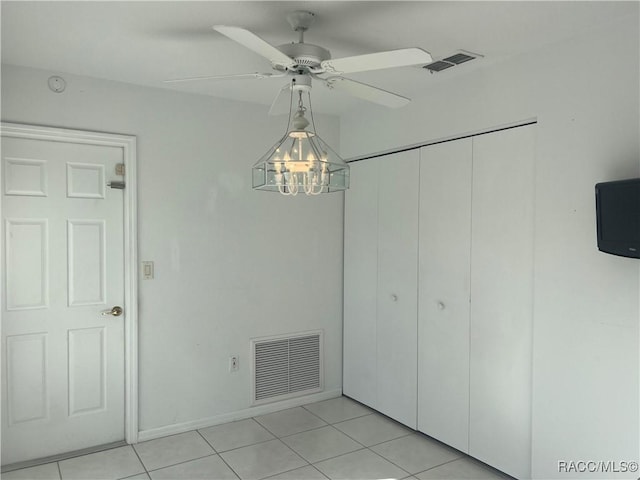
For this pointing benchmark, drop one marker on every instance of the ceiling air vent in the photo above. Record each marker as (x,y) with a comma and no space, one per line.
(458,58)
(439,66)
(451,61)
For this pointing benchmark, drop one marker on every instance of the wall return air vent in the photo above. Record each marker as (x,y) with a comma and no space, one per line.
(287,366)
(451,61)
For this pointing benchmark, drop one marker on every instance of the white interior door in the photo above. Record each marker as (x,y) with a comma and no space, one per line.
(397,301)
(502,300)
(63,361)
(360,283)
(443,321)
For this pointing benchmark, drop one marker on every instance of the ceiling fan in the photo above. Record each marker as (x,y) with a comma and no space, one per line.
(304,61)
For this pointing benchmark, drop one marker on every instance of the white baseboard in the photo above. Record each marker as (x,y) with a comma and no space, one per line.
(175,428)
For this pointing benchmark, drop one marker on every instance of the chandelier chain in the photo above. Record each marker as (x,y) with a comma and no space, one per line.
(290,107)
(313,123)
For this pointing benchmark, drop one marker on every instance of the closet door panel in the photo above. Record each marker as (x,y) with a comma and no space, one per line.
(501,300)
(360,283)
(397,285)
(443,320)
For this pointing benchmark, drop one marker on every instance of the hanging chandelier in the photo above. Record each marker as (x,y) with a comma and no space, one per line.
(301,162)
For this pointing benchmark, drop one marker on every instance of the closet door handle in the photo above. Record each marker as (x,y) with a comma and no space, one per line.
(441,306)
(394,297)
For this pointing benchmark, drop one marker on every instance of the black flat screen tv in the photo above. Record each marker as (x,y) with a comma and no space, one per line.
(618,217)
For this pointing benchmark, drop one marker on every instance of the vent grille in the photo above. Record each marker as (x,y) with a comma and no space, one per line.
(451,61)
(458,58)
(287,367)
(439,66)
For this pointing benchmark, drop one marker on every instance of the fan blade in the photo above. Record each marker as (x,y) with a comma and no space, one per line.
(377,61)
(235,76)
(253,42)
(278,106)
(367,92)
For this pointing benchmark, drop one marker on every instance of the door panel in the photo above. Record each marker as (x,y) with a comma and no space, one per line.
(26,270)
(501,299)
(63,383)
(397,286)
(380,317)
(26,363)
(87,370)
(360,283)
(443,321)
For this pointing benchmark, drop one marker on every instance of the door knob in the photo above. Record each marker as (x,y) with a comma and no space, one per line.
(115,311)
(394,297)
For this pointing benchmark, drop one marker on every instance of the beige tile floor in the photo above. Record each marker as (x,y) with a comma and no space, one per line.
(334,439)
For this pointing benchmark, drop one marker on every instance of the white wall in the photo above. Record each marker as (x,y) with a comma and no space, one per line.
(584,94)
(230,263)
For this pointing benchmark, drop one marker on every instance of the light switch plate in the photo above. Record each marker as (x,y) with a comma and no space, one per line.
(147,270)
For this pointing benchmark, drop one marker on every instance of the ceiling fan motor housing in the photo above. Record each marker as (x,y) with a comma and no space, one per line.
(305,54)
(301,83)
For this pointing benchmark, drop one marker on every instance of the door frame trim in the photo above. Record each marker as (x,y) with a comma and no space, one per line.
(128,145)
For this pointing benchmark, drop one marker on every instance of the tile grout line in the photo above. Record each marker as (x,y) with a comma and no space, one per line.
(181,463)
(317,416)
(304,431)
(207,441)
(295,453)
(218,453)
(436,466)
(391,439)
(249,445)
(340,421)
(374,444)
(290,434)
(255,419)
(286,471)
(348,436)
(391,462)
(362,447)
(133,447)
(318,470)
(338,456)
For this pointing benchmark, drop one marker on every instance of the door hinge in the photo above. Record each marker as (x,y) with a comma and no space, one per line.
(118,185)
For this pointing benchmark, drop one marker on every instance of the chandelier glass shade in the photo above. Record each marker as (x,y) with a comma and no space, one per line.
(301,162)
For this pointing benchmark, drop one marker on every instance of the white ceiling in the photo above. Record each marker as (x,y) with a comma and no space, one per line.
(146,42)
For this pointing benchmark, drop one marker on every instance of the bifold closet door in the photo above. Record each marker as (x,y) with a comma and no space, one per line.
(443,319)
(398,285)
(380,285)
(501,300)
(360,379)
